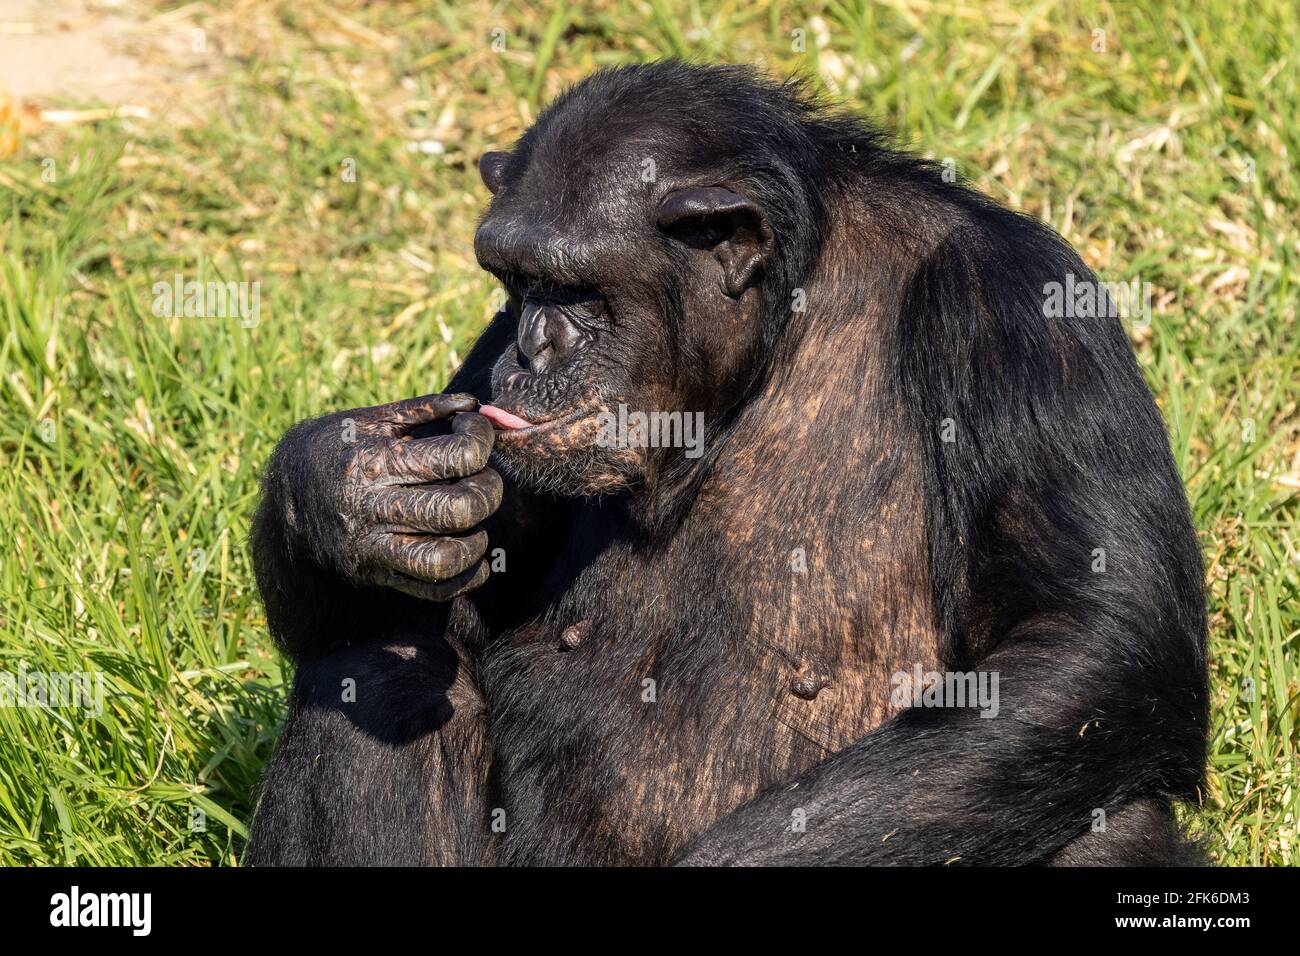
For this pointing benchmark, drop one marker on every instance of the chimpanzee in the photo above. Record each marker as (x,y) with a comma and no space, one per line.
(923,589)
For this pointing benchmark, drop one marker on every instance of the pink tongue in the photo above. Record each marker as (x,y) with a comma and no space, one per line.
(502,418)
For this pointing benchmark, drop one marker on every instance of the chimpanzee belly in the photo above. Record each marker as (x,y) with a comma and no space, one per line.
(613,747)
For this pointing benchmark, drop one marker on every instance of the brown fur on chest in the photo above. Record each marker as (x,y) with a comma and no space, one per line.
(682,726)
(775,625)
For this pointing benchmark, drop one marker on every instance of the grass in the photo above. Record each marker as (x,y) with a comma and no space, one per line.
(132,444)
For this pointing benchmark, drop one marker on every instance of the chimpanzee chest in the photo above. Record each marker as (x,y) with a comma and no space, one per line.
(616,746)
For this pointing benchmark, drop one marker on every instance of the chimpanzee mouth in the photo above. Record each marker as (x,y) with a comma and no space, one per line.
(508,424)
(524,402)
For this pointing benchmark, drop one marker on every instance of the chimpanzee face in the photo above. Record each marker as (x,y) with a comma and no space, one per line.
(633,284)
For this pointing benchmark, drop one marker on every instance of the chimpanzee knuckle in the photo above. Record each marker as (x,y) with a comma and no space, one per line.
(469,503)
(430,567)
(468,458)
(476,437)
(427,509)
(428,562)
(451,556)
(425,459)
(464,455)
(402,462)
(443,457)
(434,559)
(409,462)
(462,507)
(489,485)
(446,509)
(474,546)
(409,509)
(387,508)
(408,411)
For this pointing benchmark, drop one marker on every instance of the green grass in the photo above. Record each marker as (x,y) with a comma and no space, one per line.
(132,444)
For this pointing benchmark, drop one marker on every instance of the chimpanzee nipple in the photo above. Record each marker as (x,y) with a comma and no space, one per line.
(809,680)
(574,635)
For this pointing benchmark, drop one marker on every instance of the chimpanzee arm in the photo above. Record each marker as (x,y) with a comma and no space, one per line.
(1063,562)
(360,547)
(383,760)
(938,786)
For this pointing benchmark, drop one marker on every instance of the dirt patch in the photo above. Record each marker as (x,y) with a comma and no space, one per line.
(99,53)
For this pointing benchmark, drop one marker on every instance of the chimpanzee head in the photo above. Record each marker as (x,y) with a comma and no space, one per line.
(648,230)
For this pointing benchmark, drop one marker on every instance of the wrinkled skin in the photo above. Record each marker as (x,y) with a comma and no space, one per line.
(402,509)
(652,677)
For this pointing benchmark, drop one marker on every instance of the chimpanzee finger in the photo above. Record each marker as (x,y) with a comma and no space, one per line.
(428,557)
(439,509)
(410,412)
(438,590)
(462,453)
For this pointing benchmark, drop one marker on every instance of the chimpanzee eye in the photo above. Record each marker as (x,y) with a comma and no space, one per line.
(580,303)
(590,305)
(588,311)
(583,304)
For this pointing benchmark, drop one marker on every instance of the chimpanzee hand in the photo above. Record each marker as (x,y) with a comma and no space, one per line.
(382,507)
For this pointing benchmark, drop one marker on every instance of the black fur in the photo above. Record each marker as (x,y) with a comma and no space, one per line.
(930,299)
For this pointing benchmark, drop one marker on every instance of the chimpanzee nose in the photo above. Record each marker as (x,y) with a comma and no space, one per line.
(545,335)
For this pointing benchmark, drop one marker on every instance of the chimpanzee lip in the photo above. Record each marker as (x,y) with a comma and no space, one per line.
(515,402)
(545,424)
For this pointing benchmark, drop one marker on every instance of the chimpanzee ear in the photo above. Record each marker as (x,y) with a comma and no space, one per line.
(492,168)
(710,217)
